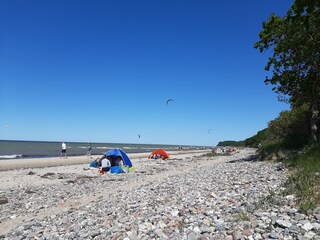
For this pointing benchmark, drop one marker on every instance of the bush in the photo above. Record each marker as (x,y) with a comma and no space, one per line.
(304,182)
(289,129)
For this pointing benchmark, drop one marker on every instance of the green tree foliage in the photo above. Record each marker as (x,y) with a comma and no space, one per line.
(253,141)
(256,140)
(231,143)
(295,63)
(289,129)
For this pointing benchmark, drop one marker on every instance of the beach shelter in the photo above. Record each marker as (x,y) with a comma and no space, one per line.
(118,152)
(159,153)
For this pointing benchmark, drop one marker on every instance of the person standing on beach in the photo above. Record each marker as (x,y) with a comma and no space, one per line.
(89,150)
(63,150)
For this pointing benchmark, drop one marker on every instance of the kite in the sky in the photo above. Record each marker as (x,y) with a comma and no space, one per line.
(138,135)
(209,130)
(169,100)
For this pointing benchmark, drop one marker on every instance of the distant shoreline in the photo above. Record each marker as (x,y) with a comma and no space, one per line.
(11,164)
(18,150)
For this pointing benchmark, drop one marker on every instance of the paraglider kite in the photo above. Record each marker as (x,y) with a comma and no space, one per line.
(169,100)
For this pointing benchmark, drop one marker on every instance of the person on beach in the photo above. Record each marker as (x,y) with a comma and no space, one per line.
(105,165)
(63,150)
(95,163)
(118,161)
(89,151)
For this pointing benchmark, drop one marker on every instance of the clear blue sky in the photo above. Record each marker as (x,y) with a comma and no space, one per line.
(102,71)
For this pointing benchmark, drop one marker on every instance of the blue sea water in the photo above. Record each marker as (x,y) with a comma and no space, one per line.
(35,149)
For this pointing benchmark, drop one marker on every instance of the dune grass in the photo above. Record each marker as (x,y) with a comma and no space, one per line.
(304,181)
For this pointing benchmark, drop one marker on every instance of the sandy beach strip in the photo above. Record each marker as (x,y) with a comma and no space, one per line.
(74,160)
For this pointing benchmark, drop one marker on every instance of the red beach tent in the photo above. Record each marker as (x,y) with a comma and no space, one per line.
(159,153)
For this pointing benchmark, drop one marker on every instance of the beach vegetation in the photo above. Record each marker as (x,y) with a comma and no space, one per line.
(285,135)
(255,140)
(242,217)
(293,137)
(286,140)
(304,182)
(231,143)
(293,42)
(271,199)
(295,60)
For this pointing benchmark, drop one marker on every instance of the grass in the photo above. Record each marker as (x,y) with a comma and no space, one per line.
(304,181)
(242,217)
(271,199)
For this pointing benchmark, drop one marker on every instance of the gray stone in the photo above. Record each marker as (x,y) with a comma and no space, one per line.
(192,236)
(274,235)
(284,224)
(204,201)
(307,226)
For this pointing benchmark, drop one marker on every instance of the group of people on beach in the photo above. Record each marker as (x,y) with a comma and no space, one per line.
(105,163)
(155,156)
(64,150)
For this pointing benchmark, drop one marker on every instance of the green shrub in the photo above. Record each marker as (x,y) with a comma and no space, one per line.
(289,129)
(304,181)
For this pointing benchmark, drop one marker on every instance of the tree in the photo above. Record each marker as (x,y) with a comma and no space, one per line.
(295,62)
(288,129)
(256,140)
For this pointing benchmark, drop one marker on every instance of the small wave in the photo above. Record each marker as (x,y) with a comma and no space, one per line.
(102,147)
(11,156)
(150,148)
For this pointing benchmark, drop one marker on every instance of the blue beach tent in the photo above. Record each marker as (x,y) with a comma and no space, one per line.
(120,153)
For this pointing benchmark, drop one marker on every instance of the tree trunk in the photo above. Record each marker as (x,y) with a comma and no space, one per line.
(314,120)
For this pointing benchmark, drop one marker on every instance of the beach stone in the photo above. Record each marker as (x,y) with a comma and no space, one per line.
(160,233)
(174,213)
(192,236)
(307,226)
(274,235)
(257,236)
(247,232)
(309,235)
(3,200)
(316,225)
(284,224)
(237,235)
(208,199)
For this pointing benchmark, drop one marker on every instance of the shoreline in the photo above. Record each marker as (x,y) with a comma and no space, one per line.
(24,163)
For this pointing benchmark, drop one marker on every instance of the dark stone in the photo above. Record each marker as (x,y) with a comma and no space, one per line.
(3,200)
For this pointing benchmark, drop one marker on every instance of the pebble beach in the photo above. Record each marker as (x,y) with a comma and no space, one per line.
(190,196)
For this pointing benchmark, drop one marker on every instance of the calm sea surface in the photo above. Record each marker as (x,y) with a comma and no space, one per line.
(36,149)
